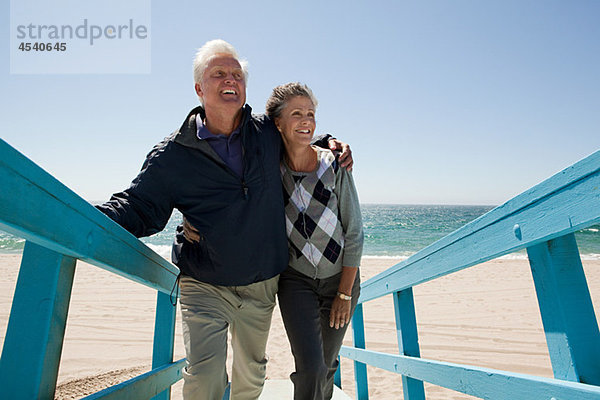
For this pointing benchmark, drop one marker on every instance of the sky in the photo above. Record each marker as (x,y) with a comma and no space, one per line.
(442,102)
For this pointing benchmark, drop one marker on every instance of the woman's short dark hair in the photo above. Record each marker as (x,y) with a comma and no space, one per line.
(283,93)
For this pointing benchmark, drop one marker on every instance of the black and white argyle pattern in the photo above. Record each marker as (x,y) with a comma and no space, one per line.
(313,228)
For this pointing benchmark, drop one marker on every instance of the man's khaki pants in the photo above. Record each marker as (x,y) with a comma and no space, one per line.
(208,311)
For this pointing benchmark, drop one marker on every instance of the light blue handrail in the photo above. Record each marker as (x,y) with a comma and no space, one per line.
(542,220)
(61,228)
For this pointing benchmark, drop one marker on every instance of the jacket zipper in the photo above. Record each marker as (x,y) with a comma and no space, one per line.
(244,186)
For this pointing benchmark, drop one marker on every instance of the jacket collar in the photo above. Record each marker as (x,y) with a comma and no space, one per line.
(186,135)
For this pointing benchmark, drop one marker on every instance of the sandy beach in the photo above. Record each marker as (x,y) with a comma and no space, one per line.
(486,315)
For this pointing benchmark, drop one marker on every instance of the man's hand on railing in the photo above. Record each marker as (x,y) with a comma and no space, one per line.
(190,233)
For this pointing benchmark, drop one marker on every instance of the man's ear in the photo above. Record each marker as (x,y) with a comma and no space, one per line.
(198,89)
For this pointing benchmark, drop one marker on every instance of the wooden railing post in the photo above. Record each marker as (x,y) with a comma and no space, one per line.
(36,328)
(337,377)
(164,336)
(360,369)
(408,339)
(567,310)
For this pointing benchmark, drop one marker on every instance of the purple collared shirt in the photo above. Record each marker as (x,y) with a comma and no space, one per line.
(229,148)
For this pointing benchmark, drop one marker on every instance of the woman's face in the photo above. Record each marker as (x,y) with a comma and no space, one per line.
(297,121)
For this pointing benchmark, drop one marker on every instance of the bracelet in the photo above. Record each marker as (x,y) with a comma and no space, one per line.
(344,296)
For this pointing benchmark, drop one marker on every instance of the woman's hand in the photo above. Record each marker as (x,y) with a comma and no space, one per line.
(340,313)
(340,308)
(189,232)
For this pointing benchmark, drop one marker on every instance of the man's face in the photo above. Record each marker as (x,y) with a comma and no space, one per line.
(223,84)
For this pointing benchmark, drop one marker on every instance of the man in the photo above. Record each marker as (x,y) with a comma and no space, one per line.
(221,170)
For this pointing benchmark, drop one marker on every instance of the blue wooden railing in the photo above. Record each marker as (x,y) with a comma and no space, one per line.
(543,221)
(61,228)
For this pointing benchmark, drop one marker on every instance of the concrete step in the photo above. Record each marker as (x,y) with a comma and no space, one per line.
(283,389)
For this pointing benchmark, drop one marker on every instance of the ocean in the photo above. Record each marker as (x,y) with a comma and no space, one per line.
(390,230)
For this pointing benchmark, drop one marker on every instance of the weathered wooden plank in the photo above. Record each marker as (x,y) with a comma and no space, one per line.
(36,206)
(567,210)
(567,310)
(480,382)
(144,386)
(360,369)
(164,335)
(283,389)
(36,328)
(408,339)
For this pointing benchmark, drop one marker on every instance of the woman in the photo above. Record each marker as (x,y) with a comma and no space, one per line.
(319,290)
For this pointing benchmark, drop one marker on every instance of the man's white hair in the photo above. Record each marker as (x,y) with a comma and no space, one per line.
(210,50)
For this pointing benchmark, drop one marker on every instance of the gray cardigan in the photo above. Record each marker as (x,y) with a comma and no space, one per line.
(323,220)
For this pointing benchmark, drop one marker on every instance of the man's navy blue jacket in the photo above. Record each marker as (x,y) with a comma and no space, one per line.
(240,220)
